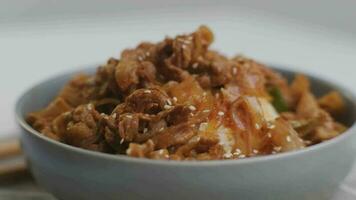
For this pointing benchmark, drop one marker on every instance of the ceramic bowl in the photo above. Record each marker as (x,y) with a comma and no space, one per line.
(71,173)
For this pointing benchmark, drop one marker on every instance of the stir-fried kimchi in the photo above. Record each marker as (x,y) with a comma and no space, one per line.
(179,100)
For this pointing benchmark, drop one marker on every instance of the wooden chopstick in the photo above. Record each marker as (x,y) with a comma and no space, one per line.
(13,169)
(10,148)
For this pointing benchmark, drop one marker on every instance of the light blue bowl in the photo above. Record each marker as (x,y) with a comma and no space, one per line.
(72,173)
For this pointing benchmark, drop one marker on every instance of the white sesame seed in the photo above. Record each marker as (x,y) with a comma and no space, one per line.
(122,140)
(145,130)
(255,151)
(272,126)
(169,102)
(114,115)
(257,126)
(191,114)
(234,71)
(195,65)
(161,129)
(129,116)
(192,108)
(269,135)
(175,99)
(237,152)
(167,107)
(228,155)
(289,139)
(277,148)
(89,107)
(220,113)
(102,114)
(147,91)
(203,126)
(128,151)
(206,110)
(242,156)
(193,125)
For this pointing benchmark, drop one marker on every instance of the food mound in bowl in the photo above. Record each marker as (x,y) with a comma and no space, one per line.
(179,100)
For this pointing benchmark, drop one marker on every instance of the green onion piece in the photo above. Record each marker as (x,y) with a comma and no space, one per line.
(278,102)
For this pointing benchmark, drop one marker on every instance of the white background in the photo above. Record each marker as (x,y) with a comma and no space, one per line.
(41,38)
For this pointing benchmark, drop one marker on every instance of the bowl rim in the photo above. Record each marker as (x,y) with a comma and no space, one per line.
(346,93)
